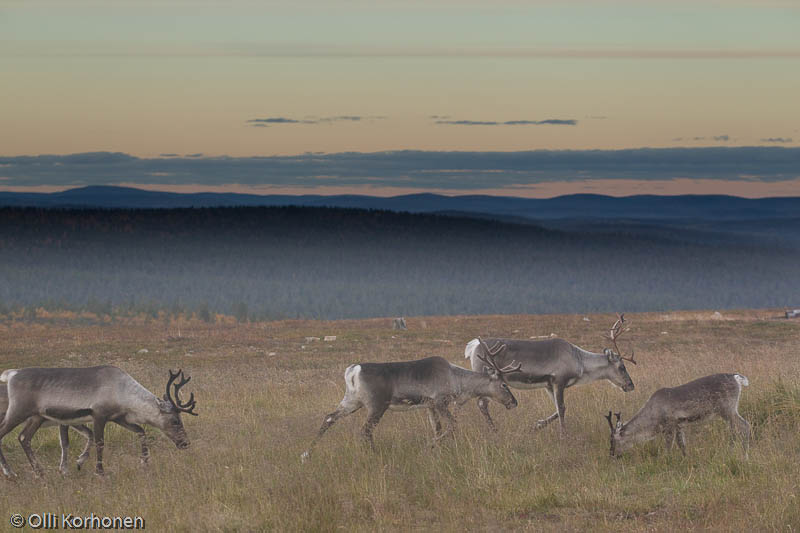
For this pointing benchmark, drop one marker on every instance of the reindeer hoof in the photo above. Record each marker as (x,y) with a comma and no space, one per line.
(540,424)
(304,456)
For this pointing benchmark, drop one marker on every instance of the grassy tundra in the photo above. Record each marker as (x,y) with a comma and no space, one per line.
(262,390)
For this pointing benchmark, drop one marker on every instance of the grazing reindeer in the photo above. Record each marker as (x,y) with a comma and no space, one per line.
(431,383)
(63,433)
(99,394)
(555,365)
(669,410)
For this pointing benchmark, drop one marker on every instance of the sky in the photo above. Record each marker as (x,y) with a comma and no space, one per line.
(523,98)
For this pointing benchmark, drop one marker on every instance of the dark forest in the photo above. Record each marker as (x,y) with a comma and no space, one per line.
(306,262)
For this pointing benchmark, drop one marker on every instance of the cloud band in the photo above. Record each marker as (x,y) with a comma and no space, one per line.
(440,170)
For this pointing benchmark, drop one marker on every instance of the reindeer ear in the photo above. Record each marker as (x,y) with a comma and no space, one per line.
(612,357)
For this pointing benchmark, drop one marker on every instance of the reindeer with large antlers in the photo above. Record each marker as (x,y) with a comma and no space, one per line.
(555,364)
(99,394)
(432,383)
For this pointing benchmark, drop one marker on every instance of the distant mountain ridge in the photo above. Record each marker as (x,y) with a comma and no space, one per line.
(576,206)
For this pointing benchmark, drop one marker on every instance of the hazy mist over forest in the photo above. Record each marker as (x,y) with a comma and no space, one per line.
(329,263)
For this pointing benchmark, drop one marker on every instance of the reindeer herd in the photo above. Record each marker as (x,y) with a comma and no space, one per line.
(73,397)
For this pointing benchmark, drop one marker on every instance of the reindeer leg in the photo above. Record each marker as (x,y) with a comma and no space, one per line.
(562,409)
(86,432)
(740,428)
(139,430)
(669,437)
(483,406)
(436,423)
(10,421)
(99,431)
(744,431)
(63,439)
(542,423)
(346,407)
(451,421)
(681,439)
(373,417)
(31,427)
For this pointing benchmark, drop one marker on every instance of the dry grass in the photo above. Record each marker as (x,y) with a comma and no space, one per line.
(259,411)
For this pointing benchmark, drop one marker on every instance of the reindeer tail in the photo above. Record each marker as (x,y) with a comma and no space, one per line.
(6,375)
(472,346)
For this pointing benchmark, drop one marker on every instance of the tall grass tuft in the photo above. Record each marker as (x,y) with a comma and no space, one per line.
(775,407)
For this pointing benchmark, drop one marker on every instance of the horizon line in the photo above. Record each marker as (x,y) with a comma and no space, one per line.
(309,153)
(249,191)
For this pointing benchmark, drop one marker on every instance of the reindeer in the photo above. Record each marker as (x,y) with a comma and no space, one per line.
(555,364)
(99,394)
(668,410)
(63,433)
(431,383)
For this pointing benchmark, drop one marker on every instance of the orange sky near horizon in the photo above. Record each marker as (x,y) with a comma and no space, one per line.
(607,187)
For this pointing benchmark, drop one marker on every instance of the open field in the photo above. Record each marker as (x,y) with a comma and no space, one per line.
(262,391)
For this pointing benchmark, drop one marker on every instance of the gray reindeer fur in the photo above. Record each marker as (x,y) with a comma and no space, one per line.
(431,383)
(552,364)
(63,433)
(101,394)
(669,410)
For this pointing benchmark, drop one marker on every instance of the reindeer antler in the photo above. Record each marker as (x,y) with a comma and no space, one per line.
(610,424)
(491,353)
(615,332)
(187,407)
(614,427)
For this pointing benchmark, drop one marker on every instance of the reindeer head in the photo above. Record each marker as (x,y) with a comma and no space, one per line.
(620,441)
(170,409)
(617,373)
(498,390)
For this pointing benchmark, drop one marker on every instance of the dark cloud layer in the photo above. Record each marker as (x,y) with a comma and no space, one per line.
(414,169)
(266,122)
(717,138)
(276,120)
(549,121)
